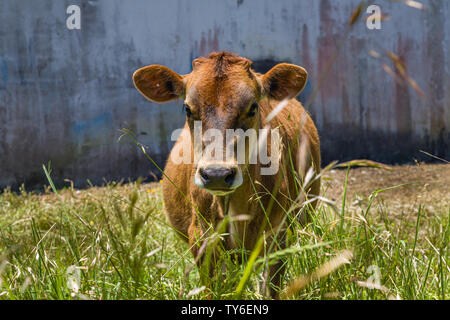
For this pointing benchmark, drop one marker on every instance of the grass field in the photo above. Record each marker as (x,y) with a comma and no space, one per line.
(386,238)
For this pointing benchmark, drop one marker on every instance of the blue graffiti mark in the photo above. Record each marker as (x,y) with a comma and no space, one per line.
(95,123)
(4,72)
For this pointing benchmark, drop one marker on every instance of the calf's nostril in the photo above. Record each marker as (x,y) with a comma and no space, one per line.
(204,174)
(230,177)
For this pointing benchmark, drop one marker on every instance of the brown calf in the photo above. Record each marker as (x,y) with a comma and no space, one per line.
(223,92)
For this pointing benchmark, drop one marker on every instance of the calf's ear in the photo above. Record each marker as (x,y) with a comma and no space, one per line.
(158,83)
(284,81)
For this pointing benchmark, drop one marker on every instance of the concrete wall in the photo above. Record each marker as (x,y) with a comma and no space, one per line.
(64,94)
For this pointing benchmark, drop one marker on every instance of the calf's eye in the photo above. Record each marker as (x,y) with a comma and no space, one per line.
(252,111)
(188,111)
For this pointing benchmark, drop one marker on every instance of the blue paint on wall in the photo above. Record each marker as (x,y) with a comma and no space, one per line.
(95,123)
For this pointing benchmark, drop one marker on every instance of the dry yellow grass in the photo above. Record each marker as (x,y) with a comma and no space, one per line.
(427,184)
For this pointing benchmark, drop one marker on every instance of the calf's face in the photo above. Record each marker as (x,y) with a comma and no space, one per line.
(221,97)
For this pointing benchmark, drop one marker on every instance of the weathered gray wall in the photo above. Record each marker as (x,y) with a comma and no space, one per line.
(64,94)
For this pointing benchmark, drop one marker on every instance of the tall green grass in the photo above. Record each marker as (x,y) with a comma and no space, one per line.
(113,242)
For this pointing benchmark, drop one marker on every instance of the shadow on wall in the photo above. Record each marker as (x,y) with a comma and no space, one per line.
(343,142)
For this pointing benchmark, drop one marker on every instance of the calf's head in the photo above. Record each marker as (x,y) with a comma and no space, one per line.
(221,94)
